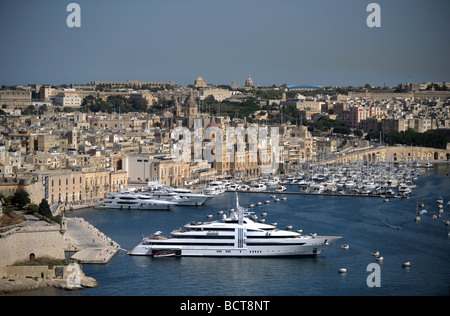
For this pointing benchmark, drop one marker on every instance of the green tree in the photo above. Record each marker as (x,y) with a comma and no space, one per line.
(44,209)
(20,198)
(33,208)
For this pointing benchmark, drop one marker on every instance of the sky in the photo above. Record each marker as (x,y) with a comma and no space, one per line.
(311,42)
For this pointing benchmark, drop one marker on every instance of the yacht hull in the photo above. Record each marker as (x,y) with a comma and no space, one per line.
(193,201)
(137,207)
(309,247)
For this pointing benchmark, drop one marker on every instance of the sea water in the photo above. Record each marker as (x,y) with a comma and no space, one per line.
(366,224)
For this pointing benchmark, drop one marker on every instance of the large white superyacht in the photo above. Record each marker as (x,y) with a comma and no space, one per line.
(132,201)
(233,235)
(177,195)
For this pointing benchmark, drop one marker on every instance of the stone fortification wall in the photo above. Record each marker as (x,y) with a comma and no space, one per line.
(20,243)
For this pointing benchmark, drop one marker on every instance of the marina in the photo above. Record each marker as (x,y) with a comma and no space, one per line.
(413,257)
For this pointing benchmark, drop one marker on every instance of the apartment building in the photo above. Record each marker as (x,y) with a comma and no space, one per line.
(15,98)
(75,185)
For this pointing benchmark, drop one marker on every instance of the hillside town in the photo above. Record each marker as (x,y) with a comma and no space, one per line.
(74,144)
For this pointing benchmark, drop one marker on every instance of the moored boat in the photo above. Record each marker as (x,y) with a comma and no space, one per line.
(234,235)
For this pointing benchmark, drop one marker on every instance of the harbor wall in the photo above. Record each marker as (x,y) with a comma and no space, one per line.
(399,154)
(38,272)
(22,243)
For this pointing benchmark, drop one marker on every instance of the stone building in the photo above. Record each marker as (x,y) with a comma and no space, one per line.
(200,82)
(191,107)
(249,82)
(42,240)
(15,98)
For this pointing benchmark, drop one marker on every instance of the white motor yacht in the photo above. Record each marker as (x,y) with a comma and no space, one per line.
(270,181)
(233,235)
(132,201)
(188,197)
(233,187)
(214,188)
(177,195)
(257,186)
(176,198)
(350,184)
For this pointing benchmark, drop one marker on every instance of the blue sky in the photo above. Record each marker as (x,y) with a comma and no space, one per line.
(323,42)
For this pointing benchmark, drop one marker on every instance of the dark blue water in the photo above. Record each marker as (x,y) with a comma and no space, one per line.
(366,225)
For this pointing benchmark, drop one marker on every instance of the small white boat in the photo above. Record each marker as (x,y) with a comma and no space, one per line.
(350,184)
(258,187)
(164,254)
(233,187)
(214,188)
(280,189)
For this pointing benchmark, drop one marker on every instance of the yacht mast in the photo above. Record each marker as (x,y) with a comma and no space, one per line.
(240,211)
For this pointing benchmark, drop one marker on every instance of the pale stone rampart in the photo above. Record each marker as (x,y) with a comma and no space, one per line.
(22,243)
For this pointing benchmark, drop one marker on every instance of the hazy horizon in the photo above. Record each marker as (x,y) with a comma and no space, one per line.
(307,42)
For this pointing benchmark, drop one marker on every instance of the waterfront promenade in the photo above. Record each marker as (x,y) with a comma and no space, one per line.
(89,244)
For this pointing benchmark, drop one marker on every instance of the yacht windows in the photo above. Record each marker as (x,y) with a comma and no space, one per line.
(127,198)
(273,244)
(156,242)
(199,229)
(203,237)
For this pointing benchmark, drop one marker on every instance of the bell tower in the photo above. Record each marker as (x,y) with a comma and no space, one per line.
(191,107)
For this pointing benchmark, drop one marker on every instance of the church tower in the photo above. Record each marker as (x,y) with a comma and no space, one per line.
(191,107)
(177,109)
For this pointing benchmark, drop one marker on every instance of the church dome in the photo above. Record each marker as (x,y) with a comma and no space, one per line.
(249,82)
(191,101)
(212,123)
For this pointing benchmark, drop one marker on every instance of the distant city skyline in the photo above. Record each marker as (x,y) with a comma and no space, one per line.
(323,43)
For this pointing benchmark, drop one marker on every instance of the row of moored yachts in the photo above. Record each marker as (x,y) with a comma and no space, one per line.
(384,180)
(154,196)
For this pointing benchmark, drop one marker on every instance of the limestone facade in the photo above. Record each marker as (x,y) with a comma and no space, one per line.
(22,243)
